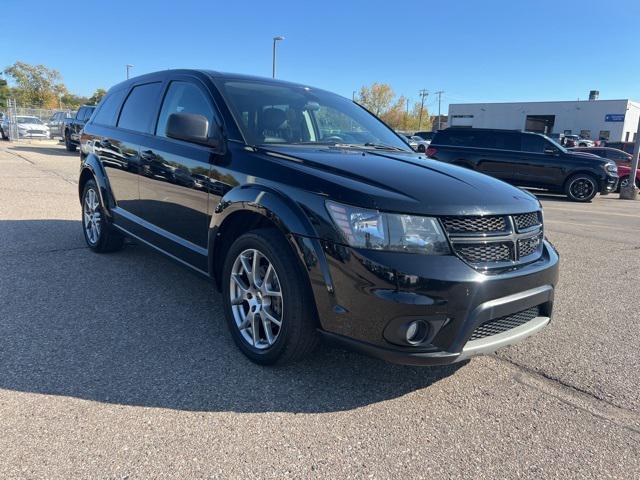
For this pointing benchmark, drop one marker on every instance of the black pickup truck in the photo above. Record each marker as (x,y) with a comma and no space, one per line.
(526,159)
(73,126)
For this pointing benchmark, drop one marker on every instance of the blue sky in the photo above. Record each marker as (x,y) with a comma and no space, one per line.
(473,50)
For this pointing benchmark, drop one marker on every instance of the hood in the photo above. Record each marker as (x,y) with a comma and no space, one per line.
(400,182)
(586,156)
(32,126)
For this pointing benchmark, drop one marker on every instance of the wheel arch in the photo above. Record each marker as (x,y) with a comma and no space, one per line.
(247,208)
(92,169)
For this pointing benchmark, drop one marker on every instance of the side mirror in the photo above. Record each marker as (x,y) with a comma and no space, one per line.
(190,127)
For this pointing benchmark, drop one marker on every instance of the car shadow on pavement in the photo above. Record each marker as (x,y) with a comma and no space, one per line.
(53,150)
(134,328)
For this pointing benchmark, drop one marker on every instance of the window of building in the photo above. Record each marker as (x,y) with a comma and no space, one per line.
(140,107)
(604,134)
(183,97)
(567,132)
(585,133)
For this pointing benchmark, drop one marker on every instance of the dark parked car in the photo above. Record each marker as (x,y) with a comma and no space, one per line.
(425,135)
(314,220)
(56,123)
(624,146)
(73,127)
(527,160)
(618,156)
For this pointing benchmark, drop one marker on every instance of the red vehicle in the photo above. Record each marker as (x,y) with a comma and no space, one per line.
(623,173)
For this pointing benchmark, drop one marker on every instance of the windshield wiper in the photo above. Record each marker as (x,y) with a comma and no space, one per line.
(382,146)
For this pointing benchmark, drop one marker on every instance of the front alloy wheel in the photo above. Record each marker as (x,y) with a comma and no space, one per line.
(581,188)
(256,299)
(267,298)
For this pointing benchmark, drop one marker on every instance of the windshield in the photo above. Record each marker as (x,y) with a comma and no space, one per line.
(556,144)
(28,120)
(269,113)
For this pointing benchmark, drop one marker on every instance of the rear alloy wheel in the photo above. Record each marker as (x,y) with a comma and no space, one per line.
(100,236)
(268,303)
(581,188)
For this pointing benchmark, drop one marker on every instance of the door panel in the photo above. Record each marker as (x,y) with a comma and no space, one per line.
(119,155)
(171,196)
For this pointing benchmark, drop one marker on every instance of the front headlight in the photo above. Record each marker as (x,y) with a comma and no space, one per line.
(611,168)
(364,228)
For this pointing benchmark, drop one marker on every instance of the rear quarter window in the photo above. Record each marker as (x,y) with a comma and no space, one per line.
(140,107)
(108,109)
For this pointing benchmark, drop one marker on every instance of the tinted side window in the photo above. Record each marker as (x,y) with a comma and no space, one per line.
(183,97)
(453,138)
(87,113)
(533,143)
(109,107)
(140,107)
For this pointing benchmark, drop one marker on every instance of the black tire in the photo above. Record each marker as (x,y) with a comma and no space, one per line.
(297,335)
(108,239)
(581,187)
(422,148)
(70,146)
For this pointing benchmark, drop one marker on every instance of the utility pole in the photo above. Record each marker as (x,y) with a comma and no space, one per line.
(129,66)
(423,94)
(439,93)
(630,192)
(353,96)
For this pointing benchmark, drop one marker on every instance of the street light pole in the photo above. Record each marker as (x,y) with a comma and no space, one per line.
(273,57)
(439,102)
(128,65)
(630,192)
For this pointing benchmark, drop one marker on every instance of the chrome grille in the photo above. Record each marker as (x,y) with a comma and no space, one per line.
(490,252)
(526,220)
(529,246)
(502,324)
(474,224)
(496,241)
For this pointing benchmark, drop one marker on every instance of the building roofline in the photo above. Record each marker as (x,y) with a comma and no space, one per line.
(628,100)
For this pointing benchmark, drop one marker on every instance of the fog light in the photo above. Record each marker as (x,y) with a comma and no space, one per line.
(416,332)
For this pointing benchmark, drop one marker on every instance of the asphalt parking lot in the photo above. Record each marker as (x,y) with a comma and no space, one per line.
(120,366)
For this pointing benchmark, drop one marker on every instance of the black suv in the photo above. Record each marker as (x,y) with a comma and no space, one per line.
(314,219)
(526,159)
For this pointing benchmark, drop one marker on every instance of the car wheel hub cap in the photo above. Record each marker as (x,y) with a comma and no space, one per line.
(582,188)
(256,299)
(91,217)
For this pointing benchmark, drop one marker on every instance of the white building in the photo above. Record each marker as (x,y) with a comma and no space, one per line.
(613,120)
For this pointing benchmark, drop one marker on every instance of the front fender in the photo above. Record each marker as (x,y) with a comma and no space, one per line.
(292,221)
(283,212)
(91,166)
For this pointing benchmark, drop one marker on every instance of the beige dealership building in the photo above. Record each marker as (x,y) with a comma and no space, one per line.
(613,120)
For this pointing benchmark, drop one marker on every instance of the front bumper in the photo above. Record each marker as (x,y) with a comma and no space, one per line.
(609,185)
(370,293)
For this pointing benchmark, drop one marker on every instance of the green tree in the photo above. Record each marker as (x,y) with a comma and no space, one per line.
(97,96)
(35,84)
(4,92)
